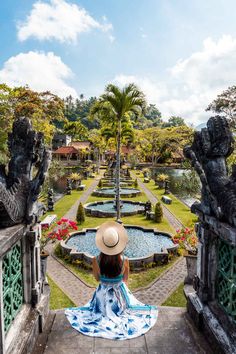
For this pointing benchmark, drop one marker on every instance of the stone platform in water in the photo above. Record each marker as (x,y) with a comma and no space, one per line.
(172,334)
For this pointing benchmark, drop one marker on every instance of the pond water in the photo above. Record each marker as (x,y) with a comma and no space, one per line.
(141,242)
(187,189)
(111,191)
(108,207)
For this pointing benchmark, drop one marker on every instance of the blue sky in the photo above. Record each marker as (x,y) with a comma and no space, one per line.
(181,53)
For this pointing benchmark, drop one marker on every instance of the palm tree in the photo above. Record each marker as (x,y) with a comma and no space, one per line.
(116,105)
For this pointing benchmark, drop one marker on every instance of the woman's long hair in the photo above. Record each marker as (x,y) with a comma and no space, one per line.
(110,266)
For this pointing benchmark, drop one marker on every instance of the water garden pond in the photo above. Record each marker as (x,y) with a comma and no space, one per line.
(110,192)
(184,183)
(141,242)
(107,208)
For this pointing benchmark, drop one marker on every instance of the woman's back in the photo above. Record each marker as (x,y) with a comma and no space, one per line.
(110,267)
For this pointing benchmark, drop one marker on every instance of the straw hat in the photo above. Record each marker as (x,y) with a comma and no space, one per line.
(111,238)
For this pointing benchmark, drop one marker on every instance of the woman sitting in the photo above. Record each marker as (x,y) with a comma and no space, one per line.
(113,312)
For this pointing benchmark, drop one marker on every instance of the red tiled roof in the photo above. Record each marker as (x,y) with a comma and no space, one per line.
(66,150)
(126,150)
(80,144)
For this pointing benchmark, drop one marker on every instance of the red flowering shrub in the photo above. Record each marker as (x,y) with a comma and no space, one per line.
(186,239)
(60,232)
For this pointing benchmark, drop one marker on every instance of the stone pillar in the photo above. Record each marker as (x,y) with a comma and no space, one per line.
(34,236)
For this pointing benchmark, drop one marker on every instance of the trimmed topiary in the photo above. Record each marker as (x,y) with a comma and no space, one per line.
(100,184)
(136,184)
(80,216)
(158,213)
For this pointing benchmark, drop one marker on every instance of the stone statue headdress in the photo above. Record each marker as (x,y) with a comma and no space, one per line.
(208,153)
(21,181)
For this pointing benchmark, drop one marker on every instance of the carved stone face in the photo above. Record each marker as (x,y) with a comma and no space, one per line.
(208,153)
(18,190)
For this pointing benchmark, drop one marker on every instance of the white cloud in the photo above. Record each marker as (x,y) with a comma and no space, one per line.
(60,20)
(192,82)
(153,91)
(40,71)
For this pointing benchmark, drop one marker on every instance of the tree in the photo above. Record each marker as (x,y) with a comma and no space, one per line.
(153,114)
(225,103)
(174,121)
(77,110)
(158,144)
(116,105)
(80,216)
(77,130)
(158,213)
(98,142)
(43,108)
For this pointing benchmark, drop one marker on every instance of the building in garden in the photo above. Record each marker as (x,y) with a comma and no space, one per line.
(60,140)
(75,151)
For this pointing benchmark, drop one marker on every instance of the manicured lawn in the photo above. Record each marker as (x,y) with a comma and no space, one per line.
(180,210)
(66,202)
(139,220)
(177,298)
(58,299)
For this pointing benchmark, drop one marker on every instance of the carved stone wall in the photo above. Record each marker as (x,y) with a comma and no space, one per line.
(23,306)
(213,303)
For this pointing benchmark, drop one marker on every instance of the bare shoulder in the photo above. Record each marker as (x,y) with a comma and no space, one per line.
(126,261)
(95,263)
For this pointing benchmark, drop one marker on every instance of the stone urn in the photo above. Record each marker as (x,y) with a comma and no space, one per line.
(191,262)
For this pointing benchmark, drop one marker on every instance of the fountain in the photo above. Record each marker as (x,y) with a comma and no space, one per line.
(111,192)
(155,246)
(107,208)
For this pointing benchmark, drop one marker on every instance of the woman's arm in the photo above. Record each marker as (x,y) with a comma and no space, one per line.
(126,271)
(96,272)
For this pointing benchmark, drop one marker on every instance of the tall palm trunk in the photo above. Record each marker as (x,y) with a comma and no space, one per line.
(118,218)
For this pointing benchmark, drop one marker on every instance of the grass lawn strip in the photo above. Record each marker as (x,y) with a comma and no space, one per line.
(58,299)
(177,298)
(65,203)
(137,220)
(179,209)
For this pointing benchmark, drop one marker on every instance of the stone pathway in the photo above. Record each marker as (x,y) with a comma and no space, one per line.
(153,199)
(71,214)
(71,285)
(172,334)
(158,292)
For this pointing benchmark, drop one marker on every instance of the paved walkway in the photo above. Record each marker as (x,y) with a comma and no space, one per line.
(172,334)
(71,285)
(153,199)
(160,290)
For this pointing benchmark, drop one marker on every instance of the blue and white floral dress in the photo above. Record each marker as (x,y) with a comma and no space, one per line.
(113,312)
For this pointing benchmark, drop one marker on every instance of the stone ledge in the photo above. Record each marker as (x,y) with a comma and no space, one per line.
(25,333)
